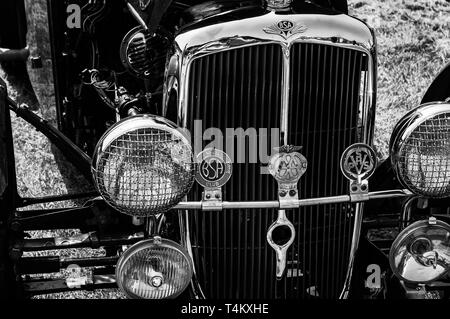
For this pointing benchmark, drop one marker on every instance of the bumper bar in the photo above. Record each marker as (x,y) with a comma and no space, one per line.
(296,203)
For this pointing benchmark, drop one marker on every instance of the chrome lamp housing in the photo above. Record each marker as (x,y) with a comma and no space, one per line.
(155,268)
(420,157)
(421,253)
(420,150)
(143,165)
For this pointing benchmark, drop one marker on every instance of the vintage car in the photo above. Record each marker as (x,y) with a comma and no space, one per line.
(229,148)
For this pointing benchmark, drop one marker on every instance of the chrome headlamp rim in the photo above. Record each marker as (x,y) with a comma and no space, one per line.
(133,123)
(145,244)
(408,231)
(403,130)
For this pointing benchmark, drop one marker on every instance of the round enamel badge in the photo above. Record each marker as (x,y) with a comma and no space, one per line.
(358,162)
(288,167)
(214,168)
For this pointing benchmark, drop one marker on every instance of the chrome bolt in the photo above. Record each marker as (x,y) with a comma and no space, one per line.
(157,281)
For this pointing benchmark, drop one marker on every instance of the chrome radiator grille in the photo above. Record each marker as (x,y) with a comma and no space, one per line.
(243,88)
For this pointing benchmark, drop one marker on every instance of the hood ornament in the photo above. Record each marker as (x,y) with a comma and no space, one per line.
(286,29)
(278,4)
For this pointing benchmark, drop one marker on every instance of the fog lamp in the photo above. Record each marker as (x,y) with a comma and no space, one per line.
(143,165)
(154,269)
(421,253)
(420,150)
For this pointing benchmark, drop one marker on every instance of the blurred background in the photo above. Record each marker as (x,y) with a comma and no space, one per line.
(413,45)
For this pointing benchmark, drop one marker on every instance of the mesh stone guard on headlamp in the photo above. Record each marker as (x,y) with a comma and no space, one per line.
(143,165)
(420,150)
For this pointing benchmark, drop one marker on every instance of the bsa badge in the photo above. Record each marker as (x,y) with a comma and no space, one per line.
(288,166)
(358,162)
(214,168)
(285,29)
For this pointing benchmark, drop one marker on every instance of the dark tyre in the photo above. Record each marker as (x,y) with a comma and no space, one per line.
(439,90)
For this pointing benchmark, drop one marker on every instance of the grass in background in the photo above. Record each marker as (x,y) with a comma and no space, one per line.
(413,45)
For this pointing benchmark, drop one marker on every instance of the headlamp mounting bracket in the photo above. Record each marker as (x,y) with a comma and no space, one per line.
(212,199)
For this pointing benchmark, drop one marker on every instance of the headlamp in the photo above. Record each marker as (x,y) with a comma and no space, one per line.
(143,165)
(421,253)
(420,150)
(154,269)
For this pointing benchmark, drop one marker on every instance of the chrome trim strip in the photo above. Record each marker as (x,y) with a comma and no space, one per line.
(284,125)
(406,210)
(186,241)
(136,15)
(353,249)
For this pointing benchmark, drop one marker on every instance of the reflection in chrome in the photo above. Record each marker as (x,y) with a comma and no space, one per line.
(421,253)
(155,268)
